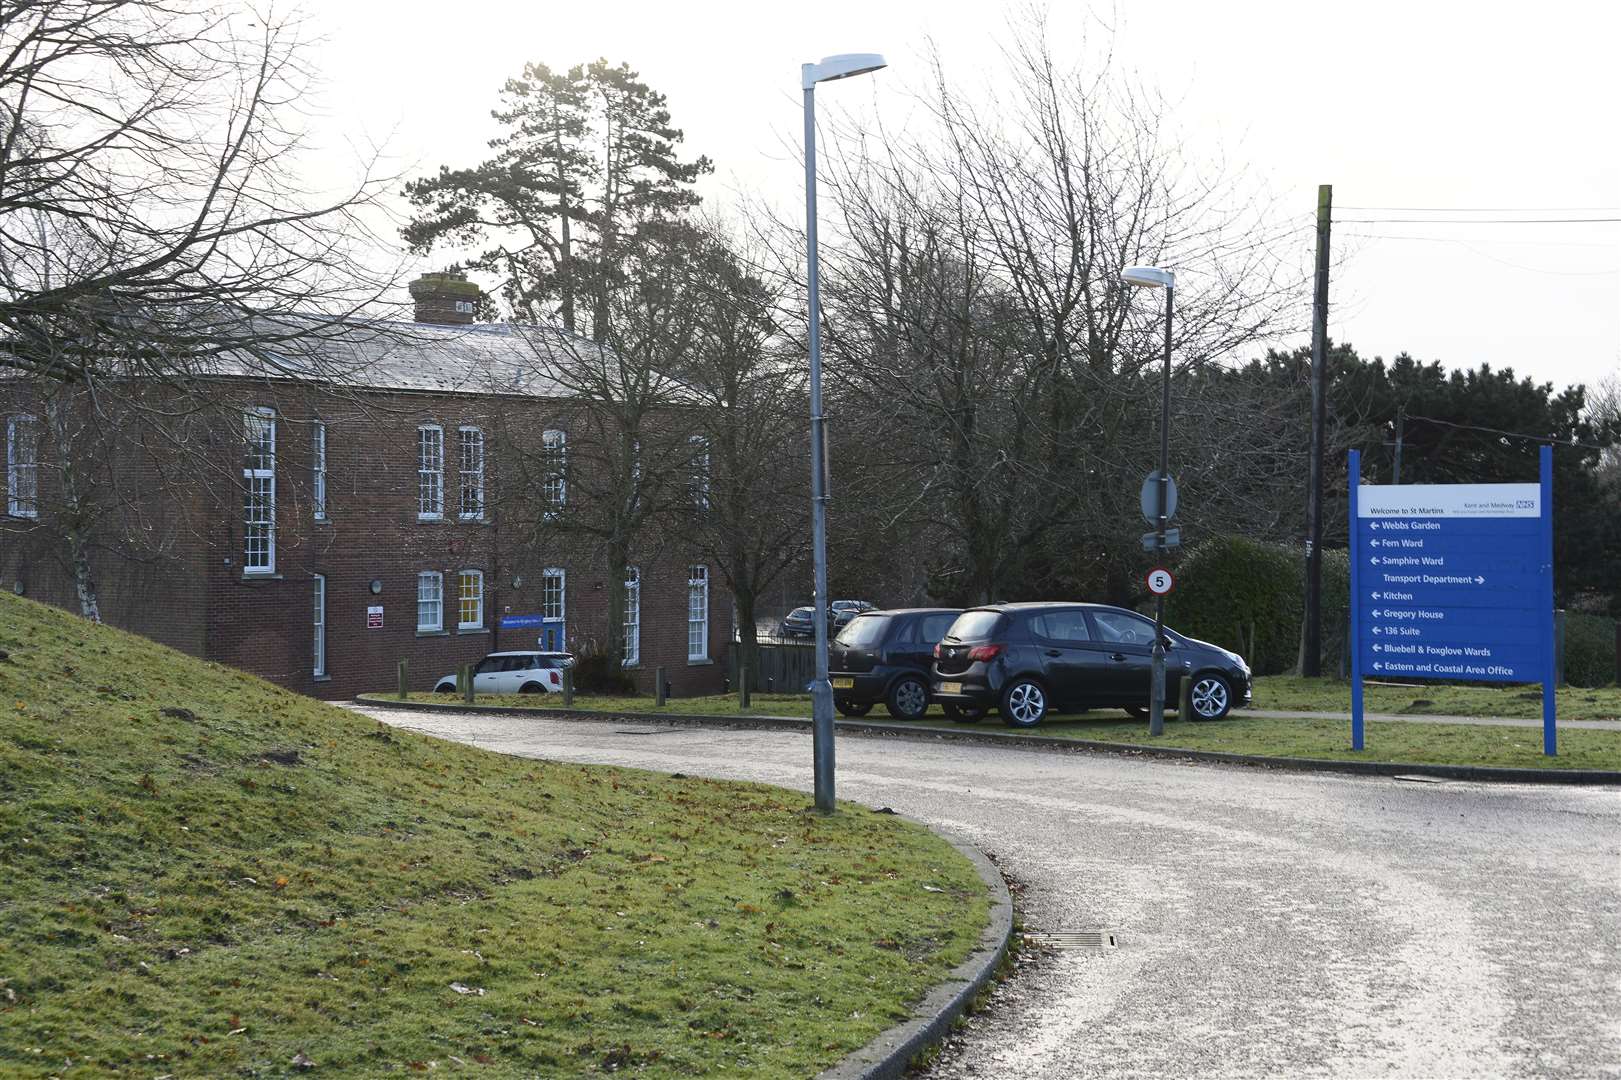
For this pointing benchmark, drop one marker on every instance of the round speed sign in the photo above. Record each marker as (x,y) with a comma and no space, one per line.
(1160,581)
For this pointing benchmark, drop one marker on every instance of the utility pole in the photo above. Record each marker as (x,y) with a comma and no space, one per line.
(1311,649)
(1401,410)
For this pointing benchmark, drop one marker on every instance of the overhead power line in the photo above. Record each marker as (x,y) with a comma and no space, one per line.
(1486,209)
(1478,221)
(1549,439)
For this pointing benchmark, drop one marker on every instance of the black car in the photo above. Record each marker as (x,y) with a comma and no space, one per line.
(884,656)
(1027,660)
(840,612)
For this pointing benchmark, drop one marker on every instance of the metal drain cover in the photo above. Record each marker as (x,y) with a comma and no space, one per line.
(1075,939)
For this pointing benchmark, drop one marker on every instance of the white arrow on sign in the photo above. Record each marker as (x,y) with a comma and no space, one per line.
(1376,648)
(1377,665)
(1374,595)
(1376,630)
(1375,525)
(1479,580)
(1374,560)
(1376,613)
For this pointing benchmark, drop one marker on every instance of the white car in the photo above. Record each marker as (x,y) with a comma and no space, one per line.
(515,673)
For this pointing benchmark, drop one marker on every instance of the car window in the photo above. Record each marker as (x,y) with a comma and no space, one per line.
(864,631)
(975,625)
(1117,626)
(1065,626)
(487,665)
(931,628)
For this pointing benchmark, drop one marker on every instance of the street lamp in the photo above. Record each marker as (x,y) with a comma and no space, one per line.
(829,68)
(1152,277)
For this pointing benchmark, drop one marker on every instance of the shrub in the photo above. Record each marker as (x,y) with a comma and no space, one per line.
(1246,595)
(596,673)
(1589,650)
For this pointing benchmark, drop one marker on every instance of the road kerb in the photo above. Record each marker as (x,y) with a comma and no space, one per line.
(888,1055)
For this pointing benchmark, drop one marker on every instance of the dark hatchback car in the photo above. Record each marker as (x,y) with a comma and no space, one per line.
(884,656)
(800,622)
(1028,660)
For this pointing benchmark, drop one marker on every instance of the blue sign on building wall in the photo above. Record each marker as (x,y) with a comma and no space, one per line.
(1452,581)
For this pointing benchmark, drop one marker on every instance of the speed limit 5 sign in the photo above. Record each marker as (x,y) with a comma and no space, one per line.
(1160,581)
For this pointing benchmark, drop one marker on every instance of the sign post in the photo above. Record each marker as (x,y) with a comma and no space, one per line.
(1453,581)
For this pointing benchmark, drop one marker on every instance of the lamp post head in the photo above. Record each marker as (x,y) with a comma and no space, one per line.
(1148,277)
(841,66)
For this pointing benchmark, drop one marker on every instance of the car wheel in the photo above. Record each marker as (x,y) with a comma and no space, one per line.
(445,688)
(1024,703)
(853,708)
(1212,697)
(531,688)
(965,714)
(908,699)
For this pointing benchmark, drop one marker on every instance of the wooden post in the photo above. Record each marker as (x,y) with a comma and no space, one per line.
(405,666)
(742,686)
(465,677)
(568,688)
(658,687)
(1184,705)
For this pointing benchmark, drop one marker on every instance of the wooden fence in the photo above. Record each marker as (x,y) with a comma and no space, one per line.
(783,669)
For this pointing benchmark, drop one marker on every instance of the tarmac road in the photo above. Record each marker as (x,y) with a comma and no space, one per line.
(1268,924)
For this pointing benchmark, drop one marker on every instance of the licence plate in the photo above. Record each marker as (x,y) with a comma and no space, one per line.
(951,688)
(844,684)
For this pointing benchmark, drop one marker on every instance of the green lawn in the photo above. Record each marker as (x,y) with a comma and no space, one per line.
(1240,733)
(1331,695)
(207,876)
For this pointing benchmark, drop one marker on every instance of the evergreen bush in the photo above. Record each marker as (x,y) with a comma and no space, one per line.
(1247,596)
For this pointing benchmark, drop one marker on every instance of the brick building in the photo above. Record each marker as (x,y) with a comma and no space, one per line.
(382,519)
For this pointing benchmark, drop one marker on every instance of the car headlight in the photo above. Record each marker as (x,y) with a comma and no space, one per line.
(1239,660)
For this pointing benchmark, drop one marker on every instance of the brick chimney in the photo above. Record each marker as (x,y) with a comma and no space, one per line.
(445,299)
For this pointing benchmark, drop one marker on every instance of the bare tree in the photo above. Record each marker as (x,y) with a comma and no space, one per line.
(752,515)
(156,232)
(978,322)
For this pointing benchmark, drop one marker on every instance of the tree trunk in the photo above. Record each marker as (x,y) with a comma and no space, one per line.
(748,642)
(75,514)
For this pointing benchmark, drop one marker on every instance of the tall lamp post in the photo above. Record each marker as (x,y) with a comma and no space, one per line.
(1152,277)
(829,68)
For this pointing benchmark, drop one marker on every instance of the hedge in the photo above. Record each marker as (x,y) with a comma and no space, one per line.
(1248,596)
(1589,650)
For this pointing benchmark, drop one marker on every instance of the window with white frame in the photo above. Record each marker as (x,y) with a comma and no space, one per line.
(430,472)
(552,597)
(698,472)
(430,601)
(554,471)
(470,600)
(633,616)
(470,443)
(318,470)
(22,467)
(259,492)
(698,613)
(319,604)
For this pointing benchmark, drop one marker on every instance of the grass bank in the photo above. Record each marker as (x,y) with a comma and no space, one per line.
(207,876)
(1240,733)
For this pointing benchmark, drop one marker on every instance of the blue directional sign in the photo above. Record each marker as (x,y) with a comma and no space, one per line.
(1452,581)
(519,622)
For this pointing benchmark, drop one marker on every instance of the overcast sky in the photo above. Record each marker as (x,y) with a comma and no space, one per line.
(1442,106)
